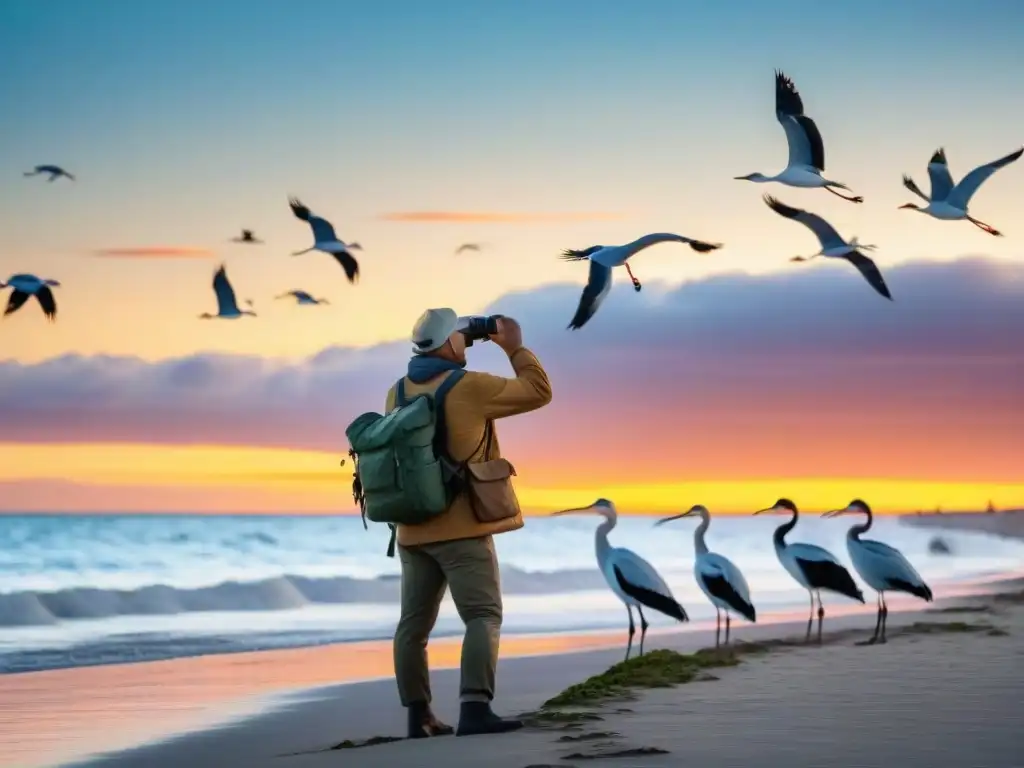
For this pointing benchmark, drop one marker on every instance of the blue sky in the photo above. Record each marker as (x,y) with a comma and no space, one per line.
(188,120)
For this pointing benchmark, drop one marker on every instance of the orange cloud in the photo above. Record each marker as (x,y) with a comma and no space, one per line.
(154,252)
(491,217)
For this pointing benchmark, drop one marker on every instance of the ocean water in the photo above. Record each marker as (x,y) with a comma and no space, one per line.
(82,590)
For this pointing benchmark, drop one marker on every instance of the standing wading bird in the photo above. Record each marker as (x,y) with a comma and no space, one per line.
(814,568)
(467,247)
(832,245)
(717,576)
(55,172)
(247,236)
(29,285)
(949,202)
(882,567)
(227,305)
(806,150)
(325,240)
(603,258)
(301,297)
(633,580)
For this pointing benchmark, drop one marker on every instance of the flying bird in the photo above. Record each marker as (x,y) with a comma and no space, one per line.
(948,201)
(227,304)
(832,245)
(247,236)
(633,580)
(55,172)
(806,149)
(324,239)
(603,258)
(301,297)
(467,247)
(26,286)
(813,567)
(883,568)
(717,576)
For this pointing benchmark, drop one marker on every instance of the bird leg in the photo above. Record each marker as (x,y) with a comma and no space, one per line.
(632,631)
(885,618)
(878,624)
(810,619)
(718,626)
(727,625)
(643,628)
(636,283)
(299,253)
(853,199)
(983,226)
(821,617)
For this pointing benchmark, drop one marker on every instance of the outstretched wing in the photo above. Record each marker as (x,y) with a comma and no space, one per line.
(15,302)
(938,172)
(599,283)
(701,247)
(802,135)
(300,211)
(226,301)
(323,232)
(572,255)
(45,297)
(962,193)
(870,270)
(912,186)
(825,232)
(348,263)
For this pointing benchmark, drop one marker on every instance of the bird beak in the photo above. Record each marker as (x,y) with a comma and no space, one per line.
(573,511)
(835,512)
(673,517)
(767,509)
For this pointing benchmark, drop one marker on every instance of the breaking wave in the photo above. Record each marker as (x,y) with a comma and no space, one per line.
(30,608)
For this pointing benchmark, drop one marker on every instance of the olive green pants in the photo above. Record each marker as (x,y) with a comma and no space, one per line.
(470,568)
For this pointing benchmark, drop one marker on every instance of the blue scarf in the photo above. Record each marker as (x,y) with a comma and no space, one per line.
(423,368)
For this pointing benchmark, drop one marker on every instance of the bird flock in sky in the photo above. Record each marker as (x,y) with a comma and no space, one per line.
(638,585)
(805,168)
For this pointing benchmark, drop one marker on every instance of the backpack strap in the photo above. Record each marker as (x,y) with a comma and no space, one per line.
(440,425)
(400,401)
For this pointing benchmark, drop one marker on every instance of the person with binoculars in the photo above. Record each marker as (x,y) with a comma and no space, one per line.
(454,548)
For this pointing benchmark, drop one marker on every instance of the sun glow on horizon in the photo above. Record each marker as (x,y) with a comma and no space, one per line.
(137,477)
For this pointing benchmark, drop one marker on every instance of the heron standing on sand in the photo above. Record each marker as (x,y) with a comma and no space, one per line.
(717,576)
(633,580)
(883,568)
(813,567)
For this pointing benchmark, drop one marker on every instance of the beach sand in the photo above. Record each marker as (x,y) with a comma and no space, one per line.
(945,692)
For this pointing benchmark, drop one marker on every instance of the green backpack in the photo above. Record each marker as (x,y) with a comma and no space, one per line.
(403,474)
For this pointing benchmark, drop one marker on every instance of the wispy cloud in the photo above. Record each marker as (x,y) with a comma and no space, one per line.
(155,252)
(807,373)
(499,217)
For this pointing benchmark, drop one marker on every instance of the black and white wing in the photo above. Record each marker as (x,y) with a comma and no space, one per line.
(599,283)
(825,232)
(573,255)
(348,263)
(226,302)
(45,298)
(15,301)
(938,172)
(870,271)
(802,135)
(910,184)
(961,194)
(323,231)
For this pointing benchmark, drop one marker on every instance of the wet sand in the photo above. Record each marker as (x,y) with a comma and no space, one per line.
(945,694)
(255,706)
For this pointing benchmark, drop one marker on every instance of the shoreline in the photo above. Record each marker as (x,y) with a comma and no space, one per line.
(149,710)
(312,728)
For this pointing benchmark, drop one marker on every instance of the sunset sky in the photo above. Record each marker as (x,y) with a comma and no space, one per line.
(732,378)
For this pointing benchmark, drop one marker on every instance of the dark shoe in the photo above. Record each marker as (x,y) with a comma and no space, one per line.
(477,717)
(423,724)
